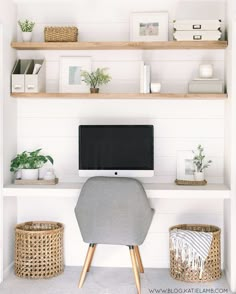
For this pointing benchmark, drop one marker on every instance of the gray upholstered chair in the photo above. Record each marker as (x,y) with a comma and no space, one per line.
(113,211)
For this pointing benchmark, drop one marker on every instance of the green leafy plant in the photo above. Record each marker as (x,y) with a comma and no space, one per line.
(96,78)
(26,25)
(199,159)
(29,160)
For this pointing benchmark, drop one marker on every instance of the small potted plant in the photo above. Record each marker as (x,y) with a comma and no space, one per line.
(29,163)
(26,29)
(200,163)
(95,78)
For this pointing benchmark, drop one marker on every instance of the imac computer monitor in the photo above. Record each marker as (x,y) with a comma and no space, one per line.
(116,150)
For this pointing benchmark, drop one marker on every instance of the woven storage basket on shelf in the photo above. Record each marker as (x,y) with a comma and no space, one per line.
(39,249)
(212,270)
(61,34)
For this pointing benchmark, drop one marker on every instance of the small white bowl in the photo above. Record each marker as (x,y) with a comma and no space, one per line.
(155,87)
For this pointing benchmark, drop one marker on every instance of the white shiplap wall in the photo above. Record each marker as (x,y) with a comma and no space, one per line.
(179,125)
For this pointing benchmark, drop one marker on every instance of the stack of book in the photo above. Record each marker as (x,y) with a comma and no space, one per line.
(197,30)
(145,78)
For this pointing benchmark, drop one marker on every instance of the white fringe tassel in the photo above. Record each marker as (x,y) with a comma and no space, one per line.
(187,254)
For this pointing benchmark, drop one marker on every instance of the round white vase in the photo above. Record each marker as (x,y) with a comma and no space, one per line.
(29,174)
(27,36)
(199,176)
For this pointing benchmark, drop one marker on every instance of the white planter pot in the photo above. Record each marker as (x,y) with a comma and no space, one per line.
(199,176)
(29,174)
(27,36)
(18,174)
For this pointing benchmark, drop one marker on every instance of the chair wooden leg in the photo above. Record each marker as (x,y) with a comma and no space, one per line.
(86,265)
(139,260)
(135,268)
(94,247)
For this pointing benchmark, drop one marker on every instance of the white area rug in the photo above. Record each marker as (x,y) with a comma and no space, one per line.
(109,281)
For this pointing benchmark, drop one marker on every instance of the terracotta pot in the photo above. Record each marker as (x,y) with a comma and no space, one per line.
(94,90)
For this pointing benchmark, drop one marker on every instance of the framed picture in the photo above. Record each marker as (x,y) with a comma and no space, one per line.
(149,26)
(70,74)
(185,166)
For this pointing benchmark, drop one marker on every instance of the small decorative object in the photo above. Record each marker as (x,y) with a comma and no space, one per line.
(61,34)
(155,87)
(39,252)
(29,164)
(194,256)
(149,26)
(96,78)
(200,164)
(206,71)
(185,167)
(27,29)
(70,74)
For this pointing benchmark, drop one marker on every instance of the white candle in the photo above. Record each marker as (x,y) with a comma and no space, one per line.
(206,71)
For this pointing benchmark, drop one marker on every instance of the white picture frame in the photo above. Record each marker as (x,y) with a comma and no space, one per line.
(70,68)
(185,165)
(149,26)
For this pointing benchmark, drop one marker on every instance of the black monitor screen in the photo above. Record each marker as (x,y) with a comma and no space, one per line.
(116,147)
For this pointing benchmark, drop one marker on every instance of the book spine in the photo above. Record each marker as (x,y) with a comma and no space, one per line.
(147,78)
(141,77)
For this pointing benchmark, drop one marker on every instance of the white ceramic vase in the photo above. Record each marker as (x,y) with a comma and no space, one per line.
(199,176)
(27,36)
(30,174)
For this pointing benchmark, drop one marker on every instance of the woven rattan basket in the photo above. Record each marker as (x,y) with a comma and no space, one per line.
(61,34)
(212,269)
(39,250)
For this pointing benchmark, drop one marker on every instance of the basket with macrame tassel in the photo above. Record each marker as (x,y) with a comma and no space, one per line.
(182,270)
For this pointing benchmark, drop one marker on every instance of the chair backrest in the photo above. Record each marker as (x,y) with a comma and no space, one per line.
(113,211)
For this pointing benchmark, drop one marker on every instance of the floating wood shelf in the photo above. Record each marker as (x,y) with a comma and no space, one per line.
(166,191)
(119,96)
(120,45)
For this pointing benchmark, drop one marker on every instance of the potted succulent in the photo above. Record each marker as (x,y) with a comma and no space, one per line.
(29,163)
(26,29)
(95,78)
(200,163)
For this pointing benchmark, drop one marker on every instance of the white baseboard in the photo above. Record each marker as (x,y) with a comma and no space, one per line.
(8,270)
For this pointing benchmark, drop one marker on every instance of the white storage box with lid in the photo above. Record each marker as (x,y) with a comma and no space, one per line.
(206,86)
(197,25)
(197,35)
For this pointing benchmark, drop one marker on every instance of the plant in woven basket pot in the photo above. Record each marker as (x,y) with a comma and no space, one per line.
(26,27)
(200,163)
(28,163)
(95,78)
